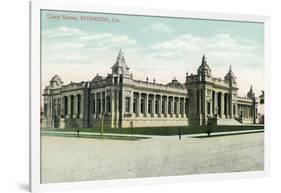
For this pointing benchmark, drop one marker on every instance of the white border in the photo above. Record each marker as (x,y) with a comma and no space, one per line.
(35,79)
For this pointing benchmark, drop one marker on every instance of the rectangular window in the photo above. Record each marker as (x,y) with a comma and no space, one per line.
(175,107)
(78,105)
(94,106)
(103,105)
(59,107)
(163,107)
(127,104)
(170,107)
(181,108)
(71,106)
(198,102)
(157,106)
(54,108)
(186,107)
(209,108)
(99,106)
(45,109)
(108,104)
(135,105)
(103,102)
(142,105)
(149,106)
(65,106)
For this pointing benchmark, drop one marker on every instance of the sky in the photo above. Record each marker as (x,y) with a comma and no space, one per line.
(79,45)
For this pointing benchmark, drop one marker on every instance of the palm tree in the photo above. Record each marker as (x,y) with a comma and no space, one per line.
(261,97)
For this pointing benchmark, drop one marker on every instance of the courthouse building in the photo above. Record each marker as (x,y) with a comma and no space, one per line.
(120,101)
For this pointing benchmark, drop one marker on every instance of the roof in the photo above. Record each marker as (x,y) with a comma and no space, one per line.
(175,83)
(204,67)
(230,74)
(97,78)
(120,66)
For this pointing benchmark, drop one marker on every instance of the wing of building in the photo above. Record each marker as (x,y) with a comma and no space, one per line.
(125,102)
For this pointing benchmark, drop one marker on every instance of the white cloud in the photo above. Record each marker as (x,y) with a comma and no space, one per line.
(64,36)
(77,55)
(245,56)
(158,27)
(82,54)
(63,32)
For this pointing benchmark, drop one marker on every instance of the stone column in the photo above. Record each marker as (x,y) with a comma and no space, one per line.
(153,105)
(75,106)
(101,103)
(96,104)
(51,114)
(69,107)
(90,103)
(131,102)
(112,98)
(183,107)
(172,107)
(139,105)
(199,102)
(160,106)
(82,99)
(166,106)
(226,103)
(61,108)
(116,106)
(146,105)
(222,106)
(230,106)
(178,107)
(204,103)
(212,104)
(105,101)
(49,107)
(215,110)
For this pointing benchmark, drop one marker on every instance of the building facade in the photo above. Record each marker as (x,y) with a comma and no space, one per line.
(119,101)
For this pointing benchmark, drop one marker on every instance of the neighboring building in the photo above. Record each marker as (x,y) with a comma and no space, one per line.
(124,102)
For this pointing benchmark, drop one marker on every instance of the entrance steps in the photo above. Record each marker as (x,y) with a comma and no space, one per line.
(228,122)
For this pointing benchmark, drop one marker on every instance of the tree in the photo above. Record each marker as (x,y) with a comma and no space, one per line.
(261,97)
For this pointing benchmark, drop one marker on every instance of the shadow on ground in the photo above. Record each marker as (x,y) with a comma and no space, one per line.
(226,134)
(96,136)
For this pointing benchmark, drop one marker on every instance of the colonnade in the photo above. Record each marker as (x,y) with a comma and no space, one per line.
(72,106)
(142,104)
(101,103)
(218,104)
(246,111)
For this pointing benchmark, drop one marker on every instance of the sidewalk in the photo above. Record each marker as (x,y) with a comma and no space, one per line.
(95,134)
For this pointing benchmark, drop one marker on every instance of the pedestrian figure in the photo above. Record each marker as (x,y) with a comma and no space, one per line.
(179,133)
(78,133)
